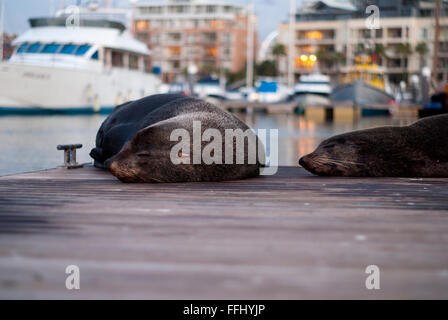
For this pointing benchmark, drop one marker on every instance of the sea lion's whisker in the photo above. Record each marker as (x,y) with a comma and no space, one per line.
(341,162)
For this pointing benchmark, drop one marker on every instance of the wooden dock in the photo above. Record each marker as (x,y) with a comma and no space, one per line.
(288,236)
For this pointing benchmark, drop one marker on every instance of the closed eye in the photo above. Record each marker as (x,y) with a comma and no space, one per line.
(329,146)
(143,155)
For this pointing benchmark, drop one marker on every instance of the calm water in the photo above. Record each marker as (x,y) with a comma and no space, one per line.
(29,143)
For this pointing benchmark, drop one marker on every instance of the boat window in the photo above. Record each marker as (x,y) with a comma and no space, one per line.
(314,82)
(117,59)
(34,48)
(68,49)
(22,47)
(82,50)
(95,56)
(133,61)
(51,48)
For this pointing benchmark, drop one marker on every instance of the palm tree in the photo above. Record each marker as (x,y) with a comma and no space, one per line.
(422,49)
(380,51)
(324,57)
(337,58)
(403,50)
(330,59)
(278,51)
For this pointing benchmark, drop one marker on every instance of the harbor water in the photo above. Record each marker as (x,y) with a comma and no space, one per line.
(28,143)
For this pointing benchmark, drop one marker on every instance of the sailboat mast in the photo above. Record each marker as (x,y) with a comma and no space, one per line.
(2,19)
(291,45)
(435,59)
(250,46)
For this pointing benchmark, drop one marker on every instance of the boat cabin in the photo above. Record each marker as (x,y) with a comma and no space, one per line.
(51,41)
(366,71)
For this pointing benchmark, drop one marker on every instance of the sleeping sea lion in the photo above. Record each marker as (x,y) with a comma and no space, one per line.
(136,142)
(417,150)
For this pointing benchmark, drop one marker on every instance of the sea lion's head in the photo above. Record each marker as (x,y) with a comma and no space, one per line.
(145,158)
(336,156)
(372,152)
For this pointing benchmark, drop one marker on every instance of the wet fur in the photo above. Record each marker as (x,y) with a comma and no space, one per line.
(134,141)
(417,150)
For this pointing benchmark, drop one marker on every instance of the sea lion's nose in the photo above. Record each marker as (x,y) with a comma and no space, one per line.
(302,162)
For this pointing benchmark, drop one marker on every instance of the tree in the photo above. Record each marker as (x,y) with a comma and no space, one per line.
(337,58)
(329,59)
(380,51)
(324,58)
(278,51)
(403,50)
(266,68)
(422,49)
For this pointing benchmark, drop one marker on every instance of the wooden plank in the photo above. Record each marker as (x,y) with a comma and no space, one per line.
(291,235)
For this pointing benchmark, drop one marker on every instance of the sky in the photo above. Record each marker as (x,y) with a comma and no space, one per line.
(270,13)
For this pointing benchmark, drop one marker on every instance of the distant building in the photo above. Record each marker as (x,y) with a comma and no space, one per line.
(208,34)
(325,27)
(8,48)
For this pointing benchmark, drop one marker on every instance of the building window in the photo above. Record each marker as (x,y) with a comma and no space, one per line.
(174,51)
(365,34)
(394,33)
(227,9)
(211,9)
(209,36)
(212,51)
(142,25)
(378,33)
(174,36)
(227,38)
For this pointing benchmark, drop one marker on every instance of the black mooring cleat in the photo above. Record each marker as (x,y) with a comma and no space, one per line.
(70,155)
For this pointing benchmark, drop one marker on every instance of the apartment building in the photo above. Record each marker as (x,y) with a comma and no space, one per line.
(209,34)
(324,28)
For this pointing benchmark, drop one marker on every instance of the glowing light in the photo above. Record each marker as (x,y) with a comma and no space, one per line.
(313,35)
(142,25)
(313,58)
(303,57)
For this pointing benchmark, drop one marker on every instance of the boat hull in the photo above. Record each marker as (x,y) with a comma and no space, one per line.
(371,100)
(42,89)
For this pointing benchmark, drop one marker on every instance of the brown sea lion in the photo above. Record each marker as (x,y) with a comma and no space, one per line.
(136,144)
(417,150)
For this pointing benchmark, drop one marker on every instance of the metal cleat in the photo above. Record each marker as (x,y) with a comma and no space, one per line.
(70,155)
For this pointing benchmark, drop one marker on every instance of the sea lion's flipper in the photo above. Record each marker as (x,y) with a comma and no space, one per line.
(97,155)
(98,164)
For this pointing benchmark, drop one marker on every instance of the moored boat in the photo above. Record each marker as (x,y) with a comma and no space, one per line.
(91,67)
(363,86)
(316,84)
(313,90)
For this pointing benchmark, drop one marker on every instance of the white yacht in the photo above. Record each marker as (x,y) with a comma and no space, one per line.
(316,83)
(91,67)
